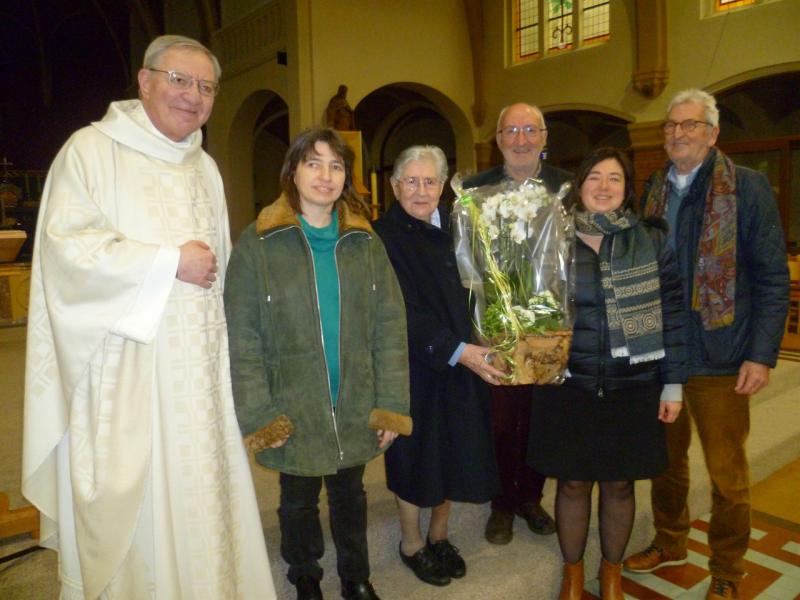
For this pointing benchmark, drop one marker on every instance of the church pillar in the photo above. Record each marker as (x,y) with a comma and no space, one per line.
(647,151)
(652,70)
(483,156)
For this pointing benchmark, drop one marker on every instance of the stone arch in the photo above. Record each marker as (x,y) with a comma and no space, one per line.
(255,119)
(763,106)
(574,132)
(752,75)
(400,114)
(759,123)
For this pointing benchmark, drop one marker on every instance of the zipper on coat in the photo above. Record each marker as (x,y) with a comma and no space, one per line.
(602,323)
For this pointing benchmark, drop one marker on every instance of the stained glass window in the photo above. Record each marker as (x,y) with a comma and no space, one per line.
(559,22)
(526,28)
(594,20)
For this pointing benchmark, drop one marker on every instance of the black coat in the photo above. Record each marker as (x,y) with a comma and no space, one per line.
(450,454)
(591,365)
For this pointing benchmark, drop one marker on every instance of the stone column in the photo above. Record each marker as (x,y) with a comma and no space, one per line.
(647,146)
(483,156)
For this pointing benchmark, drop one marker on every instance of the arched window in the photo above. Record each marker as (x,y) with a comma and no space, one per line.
(563,22)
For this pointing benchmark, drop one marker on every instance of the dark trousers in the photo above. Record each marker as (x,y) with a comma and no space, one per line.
(511,421)
(302,544)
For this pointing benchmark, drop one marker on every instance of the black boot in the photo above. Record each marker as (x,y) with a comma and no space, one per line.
(308,588)
(358,590)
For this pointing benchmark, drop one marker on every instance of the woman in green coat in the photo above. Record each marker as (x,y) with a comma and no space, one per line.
(319,356)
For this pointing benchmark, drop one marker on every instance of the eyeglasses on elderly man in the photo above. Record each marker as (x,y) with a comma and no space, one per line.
(686,126)
(183,81)
(529,131)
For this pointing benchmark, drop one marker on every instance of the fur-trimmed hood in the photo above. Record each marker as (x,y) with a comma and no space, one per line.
(280,214)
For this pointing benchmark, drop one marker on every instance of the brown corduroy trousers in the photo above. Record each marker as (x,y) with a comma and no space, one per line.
(722,419)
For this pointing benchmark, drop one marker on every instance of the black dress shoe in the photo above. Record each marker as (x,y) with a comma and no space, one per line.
(449,558)
(499,527)
(426,567)
(358,590)
(308,588)
(538,520)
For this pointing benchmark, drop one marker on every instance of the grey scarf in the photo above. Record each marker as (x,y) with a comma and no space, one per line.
(629,273)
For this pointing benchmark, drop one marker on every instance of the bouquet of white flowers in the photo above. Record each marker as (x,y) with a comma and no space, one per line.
(513,243)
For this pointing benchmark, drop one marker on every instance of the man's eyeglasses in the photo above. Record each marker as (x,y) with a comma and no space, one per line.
(412,183)
(687,126)
(529,131)
(183,81)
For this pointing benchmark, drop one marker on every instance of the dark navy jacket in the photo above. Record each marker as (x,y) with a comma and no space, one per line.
(762,275)
(591,366)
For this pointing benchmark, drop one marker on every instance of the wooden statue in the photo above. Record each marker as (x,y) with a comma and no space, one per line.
(339,115)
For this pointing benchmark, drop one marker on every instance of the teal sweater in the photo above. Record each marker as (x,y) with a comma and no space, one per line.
(323,243)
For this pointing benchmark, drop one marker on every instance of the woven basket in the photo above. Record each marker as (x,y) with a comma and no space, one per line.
(537,359)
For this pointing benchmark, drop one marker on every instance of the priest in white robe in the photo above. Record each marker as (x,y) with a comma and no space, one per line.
(132,452)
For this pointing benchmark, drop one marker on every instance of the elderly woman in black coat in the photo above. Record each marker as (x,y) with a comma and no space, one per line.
(449,455)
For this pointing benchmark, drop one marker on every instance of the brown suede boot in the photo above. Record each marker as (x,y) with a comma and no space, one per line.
(572,581)
(611,580)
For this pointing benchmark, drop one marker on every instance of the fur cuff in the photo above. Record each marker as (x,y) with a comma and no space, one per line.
(390,421)
(279,429)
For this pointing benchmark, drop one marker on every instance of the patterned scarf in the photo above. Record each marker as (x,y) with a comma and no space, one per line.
(714,284)
(631,286)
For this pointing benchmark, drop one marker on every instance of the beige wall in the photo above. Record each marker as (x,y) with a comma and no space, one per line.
(723,50)
(593,78)
(364,44)
(367,44)
(710,52)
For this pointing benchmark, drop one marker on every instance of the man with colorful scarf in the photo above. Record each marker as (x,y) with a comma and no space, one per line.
(726,231)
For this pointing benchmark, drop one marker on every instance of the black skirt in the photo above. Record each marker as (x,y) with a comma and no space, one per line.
(577,436)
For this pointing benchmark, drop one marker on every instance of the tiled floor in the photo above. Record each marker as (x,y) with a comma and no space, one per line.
(772,561)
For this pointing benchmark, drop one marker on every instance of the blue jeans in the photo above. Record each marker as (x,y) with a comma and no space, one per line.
(302,544)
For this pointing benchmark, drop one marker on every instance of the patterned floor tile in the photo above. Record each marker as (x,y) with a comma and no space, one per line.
(772,562)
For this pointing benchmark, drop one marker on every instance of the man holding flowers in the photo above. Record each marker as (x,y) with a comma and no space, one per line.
(521,136)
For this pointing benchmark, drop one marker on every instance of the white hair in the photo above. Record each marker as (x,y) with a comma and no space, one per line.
(708,102)
(165,42)
(535,110)
(413,153)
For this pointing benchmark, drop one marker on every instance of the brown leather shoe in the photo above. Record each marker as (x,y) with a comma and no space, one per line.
(652,558)
(572,581)
(610,580)
(721,589)
(499,527)
(539,521)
